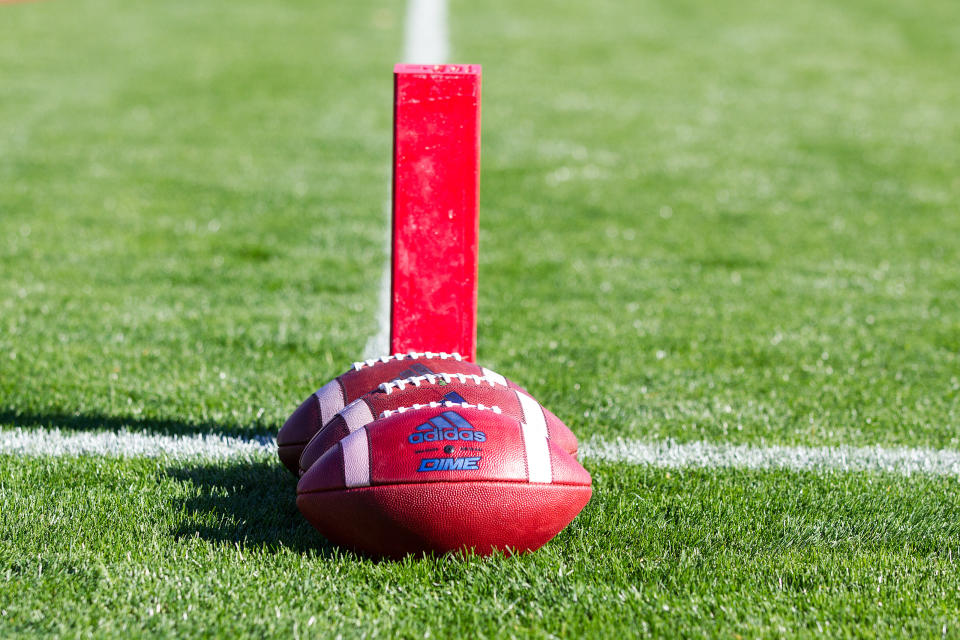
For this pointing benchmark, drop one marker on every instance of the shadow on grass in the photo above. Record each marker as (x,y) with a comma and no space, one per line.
(251,504)
(101,422)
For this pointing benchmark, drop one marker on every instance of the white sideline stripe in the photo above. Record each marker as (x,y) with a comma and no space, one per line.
(707,455)
(664,453)
(425,42)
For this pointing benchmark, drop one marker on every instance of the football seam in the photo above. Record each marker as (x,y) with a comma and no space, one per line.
(526,458)
(420,482)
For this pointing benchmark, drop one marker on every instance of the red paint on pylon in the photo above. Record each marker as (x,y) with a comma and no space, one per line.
(436,180)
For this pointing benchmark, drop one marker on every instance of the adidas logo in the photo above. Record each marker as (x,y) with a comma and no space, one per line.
(449,425)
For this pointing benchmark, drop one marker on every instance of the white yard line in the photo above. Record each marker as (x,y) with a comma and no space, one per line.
(664,453)
(708,455)
(129,444)
(425,42)
(379,343)
(425,39)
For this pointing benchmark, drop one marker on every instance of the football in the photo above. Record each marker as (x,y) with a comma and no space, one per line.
(361,378)
(457,388)
(446,477)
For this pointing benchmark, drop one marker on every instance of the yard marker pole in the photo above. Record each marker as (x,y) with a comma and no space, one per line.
(436,181)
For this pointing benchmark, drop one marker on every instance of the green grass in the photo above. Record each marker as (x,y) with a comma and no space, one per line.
(763,195)
(729,221)
(191,205)
(218,549)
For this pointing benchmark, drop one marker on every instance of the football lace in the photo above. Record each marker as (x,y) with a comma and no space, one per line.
(435,405)
(432,378)
(413,355)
